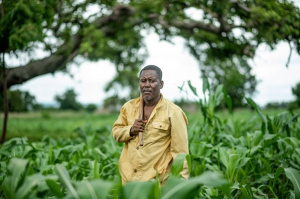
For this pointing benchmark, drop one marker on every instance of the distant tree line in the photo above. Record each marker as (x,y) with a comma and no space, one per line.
(23,101)
(289,105)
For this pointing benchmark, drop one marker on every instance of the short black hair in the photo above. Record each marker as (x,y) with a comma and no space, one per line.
(153,67)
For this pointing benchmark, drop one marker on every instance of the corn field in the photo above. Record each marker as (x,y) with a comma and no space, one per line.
(258,158)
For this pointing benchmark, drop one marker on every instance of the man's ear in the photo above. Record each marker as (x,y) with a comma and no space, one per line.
(161,84)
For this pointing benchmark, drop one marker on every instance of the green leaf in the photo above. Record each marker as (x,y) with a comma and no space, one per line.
(55,188)
(141,190)
(246,191)
(228,100)
(257,109)
(96,189)
(218,95)
(30,182)
(177,165)
(193,89)
(205,85)
(224,157)
(65,178)
(15,177)
(294,176)
(279,171)
(175,188)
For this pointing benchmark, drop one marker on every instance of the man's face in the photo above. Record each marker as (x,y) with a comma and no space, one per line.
(150,85)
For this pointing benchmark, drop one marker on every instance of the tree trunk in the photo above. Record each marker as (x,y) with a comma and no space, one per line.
(5,101)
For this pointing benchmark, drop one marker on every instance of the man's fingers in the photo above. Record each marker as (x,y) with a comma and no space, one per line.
(139,126)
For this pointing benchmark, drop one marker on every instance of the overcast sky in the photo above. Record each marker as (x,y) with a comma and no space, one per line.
(178,66)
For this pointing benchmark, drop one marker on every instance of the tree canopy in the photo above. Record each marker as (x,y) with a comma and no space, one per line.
(223,38)
(68,101)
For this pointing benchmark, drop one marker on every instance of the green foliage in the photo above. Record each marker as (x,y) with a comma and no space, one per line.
(223,38)
(294,176)
(251,158)
(176,188)
(35,125)
(113,103)
(67,101)
(296,93)
(133,190)
(23,22)
(20,101)
(278,105)
(52,164)
(91,108)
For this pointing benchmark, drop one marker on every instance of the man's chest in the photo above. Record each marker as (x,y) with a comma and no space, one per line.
(147,112)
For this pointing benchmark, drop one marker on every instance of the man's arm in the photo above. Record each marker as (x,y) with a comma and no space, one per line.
(121,130)
(179,138)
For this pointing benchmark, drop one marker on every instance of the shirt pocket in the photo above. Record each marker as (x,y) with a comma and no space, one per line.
(158,132)
(161,126)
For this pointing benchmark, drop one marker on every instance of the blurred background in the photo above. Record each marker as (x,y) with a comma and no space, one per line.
(275,80)
(86,55)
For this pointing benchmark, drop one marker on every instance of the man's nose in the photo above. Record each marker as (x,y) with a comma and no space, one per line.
(147,83)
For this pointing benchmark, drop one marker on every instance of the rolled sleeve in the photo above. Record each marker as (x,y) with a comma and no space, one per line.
(121,129)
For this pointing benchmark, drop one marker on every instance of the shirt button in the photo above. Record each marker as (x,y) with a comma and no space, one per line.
(135,170)
(137,148)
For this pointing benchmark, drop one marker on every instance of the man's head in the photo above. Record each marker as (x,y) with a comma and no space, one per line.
(155,68)
(151,82)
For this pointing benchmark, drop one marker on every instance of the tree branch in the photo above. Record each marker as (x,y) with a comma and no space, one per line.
(241,6)
(194,24)
(64,54)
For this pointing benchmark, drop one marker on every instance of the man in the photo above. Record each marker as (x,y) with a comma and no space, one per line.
(163,126)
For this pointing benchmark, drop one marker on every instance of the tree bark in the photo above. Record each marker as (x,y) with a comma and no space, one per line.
(54,62)
(5,101)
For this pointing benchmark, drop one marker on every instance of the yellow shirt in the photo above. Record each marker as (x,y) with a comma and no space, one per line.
(164,137)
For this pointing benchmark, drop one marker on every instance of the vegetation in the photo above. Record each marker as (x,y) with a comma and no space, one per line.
(35,125)
(67,101)
(64,124)
(224,37)
(256,157)
(296,92)
(20,101)
(67,157)
(23,101)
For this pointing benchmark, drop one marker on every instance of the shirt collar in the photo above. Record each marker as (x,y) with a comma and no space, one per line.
(159,103)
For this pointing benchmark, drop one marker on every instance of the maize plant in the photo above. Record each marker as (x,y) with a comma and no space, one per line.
(229,158)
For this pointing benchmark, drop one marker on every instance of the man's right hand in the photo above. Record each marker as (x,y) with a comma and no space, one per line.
(137,127)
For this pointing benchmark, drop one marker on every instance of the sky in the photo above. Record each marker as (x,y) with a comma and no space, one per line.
(178,66)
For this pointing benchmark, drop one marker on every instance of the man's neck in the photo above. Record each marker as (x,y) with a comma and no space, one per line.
(152,102)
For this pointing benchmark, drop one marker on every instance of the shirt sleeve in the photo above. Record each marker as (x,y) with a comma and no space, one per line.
(121,129)
(179,138)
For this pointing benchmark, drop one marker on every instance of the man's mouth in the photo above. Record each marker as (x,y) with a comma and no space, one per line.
(147,91)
